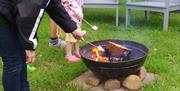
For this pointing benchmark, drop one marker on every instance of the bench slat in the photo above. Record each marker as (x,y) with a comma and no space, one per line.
(100,2)
(151,4)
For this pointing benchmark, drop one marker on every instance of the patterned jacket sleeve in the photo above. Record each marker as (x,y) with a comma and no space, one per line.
(74,6)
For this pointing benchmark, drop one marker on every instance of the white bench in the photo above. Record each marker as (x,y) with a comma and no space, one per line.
(164,6)
(103,4)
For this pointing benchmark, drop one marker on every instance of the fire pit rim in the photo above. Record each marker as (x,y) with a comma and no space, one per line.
(145,54)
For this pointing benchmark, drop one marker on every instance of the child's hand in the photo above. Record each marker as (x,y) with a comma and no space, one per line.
(80,16)
(81,38)
(78,34)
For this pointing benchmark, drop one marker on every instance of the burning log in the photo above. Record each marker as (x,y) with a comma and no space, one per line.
(116,50)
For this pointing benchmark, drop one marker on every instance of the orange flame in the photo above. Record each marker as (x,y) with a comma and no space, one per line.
(99,56)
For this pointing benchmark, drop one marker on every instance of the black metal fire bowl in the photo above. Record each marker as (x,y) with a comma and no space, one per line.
(115,70)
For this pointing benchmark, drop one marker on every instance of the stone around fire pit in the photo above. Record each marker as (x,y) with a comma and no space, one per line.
(132,82)
(149,78)
(112,84)
(81,82)
(92,80)
(142,73)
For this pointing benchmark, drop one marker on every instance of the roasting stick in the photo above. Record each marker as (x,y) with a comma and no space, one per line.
(92,26)
(87,22)
(98,47)
(90,43)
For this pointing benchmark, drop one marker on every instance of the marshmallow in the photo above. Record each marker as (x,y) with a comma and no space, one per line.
(100,48)
(94,27)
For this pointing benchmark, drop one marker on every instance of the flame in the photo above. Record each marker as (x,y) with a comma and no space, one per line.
(95,50)
(99,56)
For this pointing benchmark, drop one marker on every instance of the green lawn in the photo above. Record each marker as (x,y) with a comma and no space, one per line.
(53,72)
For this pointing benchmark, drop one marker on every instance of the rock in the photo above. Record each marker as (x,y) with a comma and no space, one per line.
(93,81)
(121,89)
(97,88)
(132,82)
(112,84)
(149,78)
(142,73)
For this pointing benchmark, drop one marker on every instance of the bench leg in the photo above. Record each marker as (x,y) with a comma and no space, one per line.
(146,14)
(117,15)
(128,11)
(166,20)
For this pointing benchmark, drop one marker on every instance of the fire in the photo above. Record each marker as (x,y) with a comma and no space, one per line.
(98,55)
(95,50)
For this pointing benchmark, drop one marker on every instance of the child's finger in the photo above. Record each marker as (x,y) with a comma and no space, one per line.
(28,61)
(82,38)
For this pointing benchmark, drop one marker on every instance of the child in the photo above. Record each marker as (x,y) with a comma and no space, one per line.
(75,10)
(54,40)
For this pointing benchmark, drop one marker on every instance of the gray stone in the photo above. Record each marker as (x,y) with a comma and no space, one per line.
(142,73)
(112,84)
(149,78)
(92,80)
(80,82)
(132,82)
(97,88)
(121,89)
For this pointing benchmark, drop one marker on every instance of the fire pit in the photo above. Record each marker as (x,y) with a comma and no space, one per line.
(115,69)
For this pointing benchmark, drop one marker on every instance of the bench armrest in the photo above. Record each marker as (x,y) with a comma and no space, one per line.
(135,0)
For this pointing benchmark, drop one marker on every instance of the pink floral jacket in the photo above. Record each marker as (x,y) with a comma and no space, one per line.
(74,8)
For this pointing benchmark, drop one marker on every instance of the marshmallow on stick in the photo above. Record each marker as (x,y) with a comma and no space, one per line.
(94,27)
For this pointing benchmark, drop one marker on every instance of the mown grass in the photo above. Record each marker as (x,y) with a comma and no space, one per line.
(53,72)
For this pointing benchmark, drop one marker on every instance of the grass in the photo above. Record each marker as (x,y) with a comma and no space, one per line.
(53,72)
